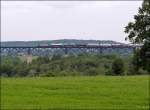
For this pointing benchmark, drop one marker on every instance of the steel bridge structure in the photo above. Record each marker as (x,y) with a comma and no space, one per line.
(34,50)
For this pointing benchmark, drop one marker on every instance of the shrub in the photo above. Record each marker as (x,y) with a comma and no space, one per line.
(91,72)
(118,67)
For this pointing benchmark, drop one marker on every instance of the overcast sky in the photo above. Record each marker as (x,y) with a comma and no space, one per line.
(48,20)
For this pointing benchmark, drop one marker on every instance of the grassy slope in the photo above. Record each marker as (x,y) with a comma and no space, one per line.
(101,92)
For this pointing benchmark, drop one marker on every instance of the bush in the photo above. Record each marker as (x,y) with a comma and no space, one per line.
(56,57)
(91,72)
(118,67)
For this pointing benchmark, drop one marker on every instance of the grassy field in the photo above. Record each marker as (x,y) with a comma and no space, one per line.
(100,92)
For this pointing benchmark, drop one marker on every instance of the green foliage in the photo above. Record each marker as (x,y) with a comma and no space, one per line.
(8,66)
(41,60)
(82,65)
(118,67)
(139,32)
(136,62)
(145,56)
(6,69)
(56,57)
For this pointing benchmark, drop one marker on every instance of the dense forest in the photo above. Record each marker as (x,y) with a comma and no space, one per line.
(81,65)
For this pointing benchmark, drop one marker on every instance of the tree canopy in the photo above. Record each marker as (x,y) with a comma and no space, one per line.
(139,32)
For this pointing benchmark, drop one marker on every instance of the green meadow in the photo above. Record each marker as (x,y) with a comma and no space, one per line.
(76,93)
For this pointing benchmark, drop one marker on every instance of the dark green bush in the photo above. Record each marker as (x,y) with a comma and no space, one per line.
(118,67)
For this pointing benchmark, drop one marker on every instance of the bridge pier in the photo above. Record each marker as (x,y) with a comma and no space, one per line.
(66,51)
(28,51)
(100,50)
(9,51)
(29,56)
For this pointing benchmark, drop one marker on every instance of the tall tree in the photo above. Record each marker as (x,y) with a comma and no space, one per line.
(139,32)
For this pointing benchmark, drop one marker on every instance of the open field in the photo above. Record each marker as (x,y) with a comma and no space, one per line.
(99,92)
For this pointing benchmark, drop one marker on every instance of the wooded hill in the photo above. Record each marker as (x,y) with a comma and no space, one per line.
(61,41)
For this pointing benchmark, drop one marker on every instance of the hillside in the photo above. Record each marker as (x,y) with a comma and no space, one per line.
(63,41)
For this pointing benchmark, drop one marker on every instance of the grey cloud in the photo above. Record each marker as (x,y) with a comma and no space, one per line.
(63,19)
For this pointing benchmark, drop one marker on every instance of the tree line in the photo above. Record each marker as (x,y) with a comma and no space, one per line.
(81,65)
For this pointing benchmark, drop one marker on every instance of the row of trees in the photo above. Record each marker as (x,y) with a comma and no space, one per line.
(90,65)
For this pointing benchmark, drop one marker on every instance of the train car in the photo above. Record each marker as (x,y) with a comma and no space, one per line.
(93,44)
(116,45)
(56,44)
(81,44)
(106,44)
(135,45)
(43,45)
